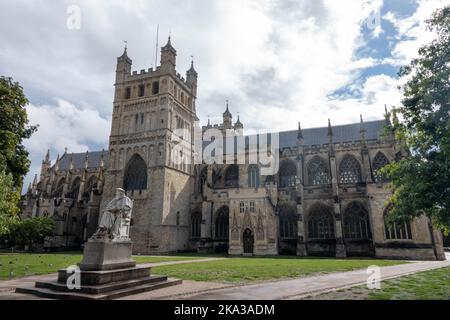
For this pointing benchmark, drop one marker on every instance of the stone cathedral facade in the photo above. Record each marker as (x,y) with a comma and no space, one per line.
(326,199)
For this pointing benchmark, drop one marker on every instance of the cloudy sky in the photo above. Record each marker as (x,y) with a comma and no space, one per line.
(277,61)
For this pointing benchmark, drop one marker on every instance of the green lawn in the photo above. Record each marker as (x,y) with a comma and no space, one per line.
(428,285)
(25,264)
(245,270)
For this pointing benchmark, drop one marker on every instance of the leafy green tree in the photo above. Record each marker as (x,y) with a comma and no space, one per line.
(421,182)
(13,129)
(9,199)
(31,231)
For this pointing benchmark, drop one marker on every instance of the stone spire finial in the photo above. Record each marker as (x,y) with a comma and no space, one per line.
(330,130)
(35,180)
(102,159)
(227,112)
(361,126)
(299,132)
(86,160)
(47,156)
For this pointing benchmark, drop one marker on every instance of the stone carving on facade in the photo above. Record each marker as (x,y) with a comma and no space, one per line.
(116,219)
(260,228)
(247,224)
(234,228)
(272,192)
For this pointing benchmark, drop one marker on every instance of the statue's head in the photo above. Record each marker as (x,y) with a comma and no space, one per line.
(120,192)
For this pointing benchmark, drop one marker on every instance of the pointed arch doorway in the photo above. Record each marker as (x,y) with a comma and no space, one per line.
(249,241)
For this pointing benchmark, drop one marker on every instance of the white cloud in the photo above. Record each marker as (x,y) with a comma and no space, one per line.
(278,61)
(64,125)
(412,31)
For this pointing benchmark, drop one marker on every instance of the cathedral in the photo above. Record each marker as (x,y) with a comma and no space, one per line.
(327,197)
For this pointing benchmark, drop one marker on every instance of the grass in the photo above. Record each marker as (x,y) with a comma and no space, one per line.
(14,265)
(247,270)
(427,285)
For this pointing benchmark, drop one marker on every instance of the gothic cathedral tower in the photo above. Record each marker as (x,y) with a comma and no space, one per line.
(150,108)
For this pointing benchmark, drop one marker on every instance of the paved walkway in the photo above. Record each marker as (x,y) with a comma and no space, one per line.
(309,286)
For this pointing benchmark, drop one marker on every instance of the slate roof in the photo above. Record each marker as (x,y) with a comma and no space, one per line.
(319,136)
(288,139)
(78,160)
(342,133)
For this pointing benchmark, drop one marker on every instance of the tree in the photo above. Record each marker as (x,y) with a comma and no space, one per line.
(13,129)
(31,231)
(421,182)
(9,198)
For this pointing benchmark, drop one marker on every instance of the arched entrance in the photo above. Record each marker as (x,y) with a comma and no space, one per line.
(248,241)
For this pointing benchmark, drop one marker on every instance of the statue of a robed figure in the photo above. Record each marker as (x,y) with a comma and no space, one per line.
(110,246)
(116,218)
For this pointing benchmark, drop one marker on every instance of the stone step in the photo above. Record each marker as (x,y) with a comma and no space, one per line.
(91,278)
(51,294)
(99,289)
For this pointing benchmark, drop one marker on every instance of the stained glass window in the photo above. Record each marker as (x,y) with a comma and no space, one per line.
(318,172)
(349,170)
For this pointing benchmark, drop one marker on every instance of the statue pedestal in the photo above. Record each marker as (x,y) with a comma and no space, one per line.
(106,272)
(106,255)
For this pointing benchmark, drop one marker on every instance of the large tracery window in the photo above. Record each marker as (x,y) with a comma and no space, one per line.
(253,176)
(196,225)
(396,231)
(74,189)
(202,179)
(135,177)
(58,190)
(288,173)
(349,170)
(222,223)
(90,186)
(318,172)
(232,176)
(320,223)
(356,222)
(379,162)
(288,221)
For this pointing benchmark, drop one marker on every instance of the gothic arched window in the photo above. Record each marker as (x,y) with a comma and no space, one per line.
(288,173)
(202,179)
(59,187)
(379,162)
(222,223)
(320,223)
(91,185)
(395,230)
(253,176)
(288,221)
(196,225)
(232,176)
(349,170)
(74,189)
(135,177)
(318,172)
(356,222)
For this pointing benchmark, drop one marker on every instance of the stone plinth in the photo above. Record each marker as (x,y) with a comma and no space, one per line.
(107,255)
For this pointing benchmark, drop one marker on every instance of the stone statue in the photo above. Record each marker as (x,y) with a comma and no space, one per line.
(115,221)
